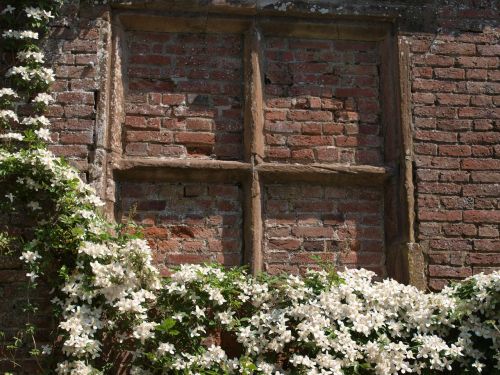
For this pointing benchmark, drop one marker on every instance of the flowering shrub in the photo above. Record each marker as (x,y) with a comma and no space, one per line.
(102,276)
(322,323)
(108,297)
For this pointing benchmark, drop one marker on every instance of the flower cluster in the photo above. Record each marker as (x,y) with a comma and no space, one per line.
(23,34)
(112,281)
(323,323)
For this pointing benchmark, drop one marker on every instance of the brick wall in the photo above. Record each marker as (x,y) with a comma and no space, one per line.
(184,96)
(187,222)
(455,95)
(184,100)
(305,222)
(74,53)
(322,101)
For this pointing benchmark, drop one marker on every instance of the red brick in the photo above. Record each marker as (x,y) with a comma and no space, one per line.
(454,244)
(454,176)
(424,98)
(316,232)
(452,150)
(195,138)
(78,45)
(489,49)
(453,99)
(477,62)
(491,177)
(173,99)
(473,112)
(480,138)
(439,188)
(482,216)
(73,97)
(446,271)
(285,244)
(449,73)
(481,101)
(481,164)
(476,74)
(488,231)
(484,259)
(422,72)
(309,140)
(435,136)
(199,124)
(137,149)
(304,155)
(429,85)
(275,115)
(487,245)
(482,190)
(149,136)
(466,230)
(78,111)
(447,48)
(300,115)
(443,215)
(76,138)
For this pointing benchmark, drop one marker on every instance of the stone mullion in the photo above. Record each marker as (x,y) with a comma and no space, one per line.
(253,147)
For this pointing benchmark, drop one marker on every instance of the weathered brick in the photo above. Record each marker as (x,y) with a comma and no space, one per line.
(449,73)
(446,271)
(482,216)
(443,215)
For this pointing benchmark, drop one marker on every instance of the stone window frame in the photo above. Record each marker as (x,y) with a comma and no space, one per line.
(404,259)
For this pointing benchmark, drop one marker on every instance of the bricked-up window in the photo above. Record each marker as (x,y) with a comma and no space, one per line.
(267,142)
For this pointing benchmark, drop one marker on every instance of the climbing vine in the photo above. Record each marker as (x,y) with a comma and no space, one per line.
(101,275)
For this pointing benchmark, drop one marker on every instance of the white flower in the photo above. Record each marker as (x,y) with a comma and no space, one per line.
(46,350)
(38,120)
(135,370)
(28,74)
(86,214)
(75,368)
(10,197)
(8,92)
(37,57)
(8,9)
(38,14)
(46,74)
(32,276)
(34,205)
(478,366)
(43,98)
(8,115)
(144,331)
(95,250)
(16,136)
(22,71)
(165,348)
(198,312)
(30,256)
(25,34)
(43,133)
(226,317)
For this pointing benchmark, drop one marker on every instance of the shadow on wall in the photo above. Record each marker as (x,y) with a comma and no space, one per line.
(184,95)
